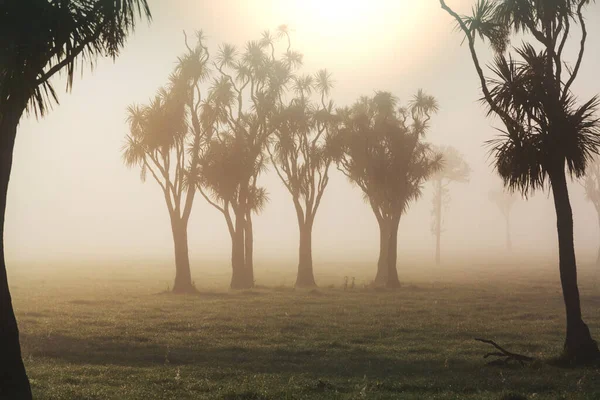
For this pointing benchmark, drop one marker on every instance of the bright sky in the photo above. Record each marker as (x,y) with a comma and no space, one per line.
(71,197)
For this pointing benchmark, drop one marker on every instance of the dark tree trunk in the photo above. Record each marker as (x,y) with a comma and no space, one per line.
(382,263)
(249,248)
(438,227)
(392,279)
(240,278)
(183,276)
(14,383)
(305,278)
(579,345)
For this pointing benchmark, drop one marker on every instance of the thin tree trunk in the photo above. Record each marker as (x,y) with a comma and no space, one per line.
(382,263)
(438,227)
(579,345)
(183,276)
(249,248)
(305,277)
(14,383)
(392,278)
(239,274)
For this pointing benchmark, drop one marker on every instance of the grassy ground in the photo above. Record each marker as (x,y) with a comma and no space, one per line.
(116,336)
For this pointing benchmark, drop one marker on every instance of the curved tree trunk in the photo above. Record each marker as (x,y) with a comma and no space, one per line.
(579,345)
(382,262)
(14,383)
(392,279)
(305,277)
(183,276)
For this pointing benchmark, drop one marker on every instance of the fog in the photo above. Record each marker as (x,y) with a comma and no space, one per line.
(71,198)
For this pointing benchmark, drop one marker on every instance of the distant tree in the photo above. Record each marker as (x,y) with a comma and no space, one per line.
(245,96)
(505,202)
(591,184)
(546,130)
(301,158)
(165,139)
(454,169)
(381,150)
(39,39)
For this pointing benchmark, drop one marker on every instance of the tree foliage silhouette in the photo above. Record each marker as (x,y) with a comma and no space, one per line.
(547,133)
(301,157)
(454,169)
(39,39)
(380,148)
(244,96)
(165,139)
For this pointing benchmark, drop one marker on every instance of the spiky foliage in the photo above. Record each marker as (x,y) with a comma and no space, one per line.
(39,39)
(547,133)
(380,149)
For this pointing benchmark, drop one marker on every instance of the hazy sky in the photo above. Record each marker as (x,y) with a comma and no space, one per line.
(72,198)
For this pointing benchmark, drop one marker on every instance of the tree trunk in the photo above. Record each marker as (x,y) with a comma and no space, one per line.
(239,274)
(438,227)
(249,248)
(392,279)
(183,276)
(382,263)
(305,277)
(579,345)
(14,383)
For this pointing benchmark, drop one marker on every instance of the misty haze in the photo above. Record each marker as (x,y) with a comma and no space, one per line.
(299,199)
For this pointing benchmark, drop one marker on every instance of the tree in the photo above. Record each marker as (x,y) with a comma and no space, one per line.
(454,169)
(165,139)
(381,150)
(38,39)
(301,158)
(505,202)
(245,96)
(547,133)
(591,184)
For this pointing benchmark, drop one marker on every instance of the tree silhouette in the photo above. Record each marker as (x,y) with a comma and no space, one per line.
(546,130)
(380,149)
(165,139)
(301,158)
(244,96)
(454,169)
(38,39)
(591,184)
(505,202)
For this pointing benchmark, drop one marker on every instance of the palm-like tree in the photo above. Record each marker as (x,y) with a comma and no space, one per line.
(547,133)
(591,184)
(301,158)
(504,201)
(380,148)
(39,39)
(244,98)
(454,169)
(165,139)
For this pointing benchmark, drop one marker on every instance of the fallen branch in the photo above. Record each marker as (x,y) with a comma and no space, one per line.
(504,356)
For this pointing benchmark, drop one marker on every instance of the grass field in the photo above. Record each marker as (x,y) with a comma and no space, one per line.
(117,335)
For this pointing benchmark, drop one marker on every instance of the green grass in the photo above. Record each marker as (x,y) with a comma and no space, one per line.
(117,336)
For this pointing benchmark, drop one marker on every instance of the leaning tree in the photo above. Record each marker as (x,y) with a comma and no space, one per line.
(39,39)
(165,140)
(591,184)
(245,94)
(300,156)
(504,201)
(547,133)
(454,169)
(380,148)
